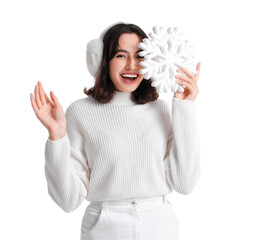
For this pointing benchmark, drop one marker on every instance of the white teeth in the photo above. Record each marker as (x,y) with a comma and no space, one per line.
(130,75)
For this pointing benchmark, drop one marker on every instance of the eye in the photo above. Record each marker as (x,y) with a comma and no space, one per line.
(139,56)
(120,56)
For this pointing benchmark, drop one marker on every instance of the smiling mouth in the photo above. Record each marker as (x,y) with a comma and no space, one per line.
(130,77)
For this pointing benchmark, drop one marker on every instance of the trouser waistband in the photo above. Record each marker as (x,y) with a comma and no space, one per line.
(133,201)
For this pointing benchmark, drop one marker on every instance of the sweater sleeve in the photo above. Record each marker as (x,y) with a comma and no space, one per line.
(182,164)
(66,168)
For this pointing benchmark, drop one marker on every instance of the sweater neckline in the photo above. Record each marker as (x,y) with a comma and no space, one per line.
(122,98)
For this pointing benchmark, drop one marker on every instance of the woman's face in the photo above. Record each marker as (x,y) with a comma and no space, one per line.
(124,67)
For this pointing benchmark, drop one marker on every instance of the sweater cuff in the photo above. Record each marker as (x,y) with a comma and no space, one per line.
(58,140)
(57,150)
(183,107)
(179,101)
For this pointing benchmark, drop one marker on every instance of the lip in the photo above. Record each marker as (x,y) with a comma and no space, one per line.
(127,82)
(132,82)
(135,73)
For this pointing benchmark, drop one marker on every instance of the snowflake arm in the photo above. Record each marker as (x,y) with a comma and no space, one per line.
(164,53)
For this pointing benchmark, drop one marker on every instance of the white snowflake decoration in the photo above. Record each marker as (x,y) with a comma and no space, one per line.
(165,52)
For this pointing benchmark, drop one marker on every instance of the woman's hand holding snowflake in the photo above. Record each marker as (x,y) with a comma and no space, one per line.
(191,90)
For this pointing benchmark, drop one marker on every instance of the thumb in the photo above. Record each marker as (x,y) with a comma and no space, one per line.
(54,99)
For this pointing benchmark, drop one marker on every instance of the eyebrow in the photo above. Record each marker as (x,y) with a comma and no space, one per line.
(125,51)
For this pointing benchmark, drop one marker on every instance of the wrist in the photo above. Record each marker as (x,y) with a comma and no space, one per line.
(56,135)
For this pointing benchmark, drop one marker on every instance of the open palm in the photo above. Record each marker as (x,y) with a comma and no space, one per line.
(50,113)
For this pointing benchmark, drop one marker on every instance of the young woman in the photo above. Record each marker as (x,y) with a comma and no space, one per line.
(119,148)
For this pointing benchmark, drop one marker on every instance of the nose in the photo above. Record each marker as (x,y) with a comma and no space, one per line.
(132,63)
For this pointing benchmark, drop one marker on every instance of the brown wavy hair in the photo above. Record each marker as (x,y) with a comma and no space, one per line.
(104,89)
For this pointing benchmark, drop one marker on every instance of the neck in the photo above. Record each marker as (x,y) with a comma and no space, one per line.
(122,98)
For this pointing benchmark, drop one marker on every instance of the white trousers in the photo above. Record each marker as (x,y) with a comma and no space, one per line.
(131,219)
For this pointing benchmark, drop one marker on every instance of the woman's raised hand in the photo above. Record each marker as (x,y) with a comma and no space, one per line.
(190,81)
(50,114)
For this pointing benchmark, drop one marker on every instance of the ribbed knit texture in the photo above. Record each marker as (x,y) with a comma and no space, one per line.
(122,150)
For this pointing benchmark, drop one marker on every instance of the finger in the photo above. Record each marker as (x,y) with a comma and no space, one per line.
(198,70)
(34,106)
(184,78)
(42,93)
(45,95)
(37,98)
(187,72)
(54,99)
(188,85)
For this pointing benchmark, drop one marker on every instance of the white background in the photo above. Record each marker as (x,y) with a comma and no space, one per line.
(46,41)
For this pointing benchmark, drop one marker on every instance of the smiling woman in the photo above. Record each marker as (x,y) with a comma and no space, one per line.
(124,67)
(119,66)
(128,78)
(119,148)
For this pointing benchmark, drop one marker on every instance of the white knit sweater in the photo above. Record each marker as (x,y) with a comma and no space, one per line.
(122,150)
